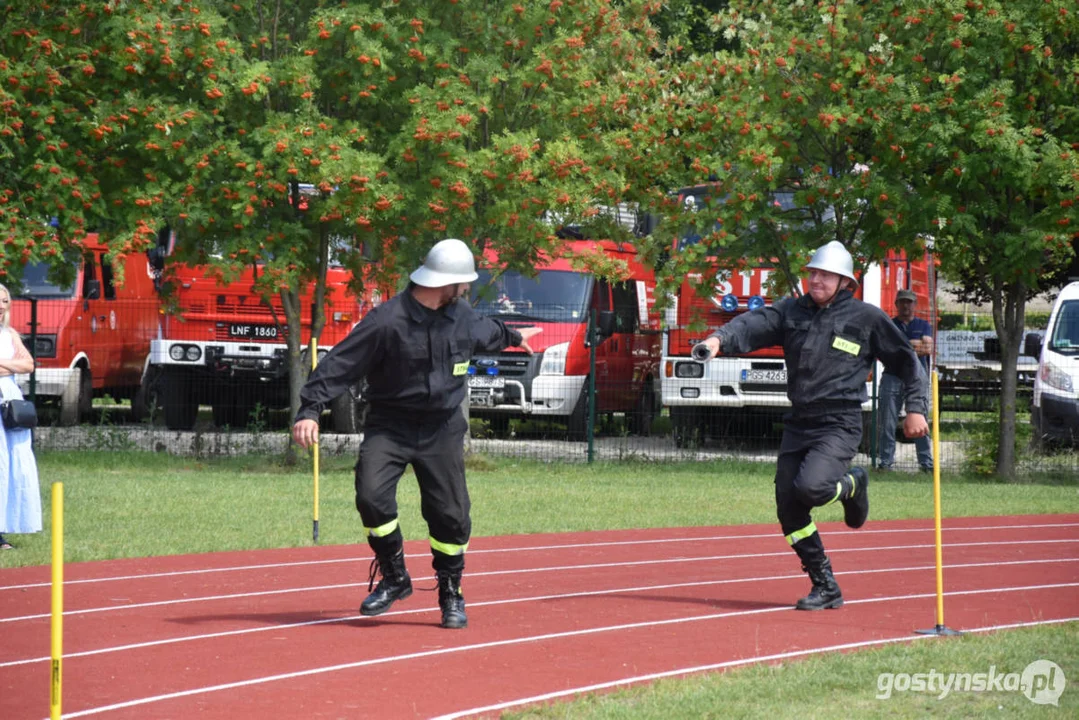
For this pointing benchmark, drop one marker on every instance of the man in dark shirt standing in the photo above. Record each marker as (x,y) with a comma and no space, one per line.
(920,334)
(830,341)
(414,351)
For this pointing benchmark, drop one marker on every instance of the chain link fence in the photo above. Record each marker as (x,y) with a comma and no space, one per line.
(609,405)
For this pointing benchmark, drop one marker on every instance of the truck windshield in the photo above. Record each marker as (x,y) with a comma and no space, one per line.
(552,296)
(1066,333)
(36,283)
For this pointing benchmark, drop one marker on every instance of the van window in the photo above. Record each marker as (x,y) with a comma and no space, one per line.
(601,299)
(89,274)
(108,289)
(625,306)
(1065,337)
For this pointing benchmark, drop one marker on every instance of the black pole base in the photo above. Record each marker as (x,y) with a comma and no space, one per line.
(939,630)
(314,531)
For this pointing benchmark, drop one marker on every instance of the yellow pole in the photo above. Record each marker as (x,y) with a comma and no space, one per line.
(936,500)
(314,454)
(940,628)
(57,626)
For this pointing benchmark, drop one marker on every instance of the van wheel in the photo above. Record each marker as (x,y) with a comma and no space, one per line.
(347,411)
(181,410)
(640,421)
(146,403)
(75,407)
(86,394)
(577,421)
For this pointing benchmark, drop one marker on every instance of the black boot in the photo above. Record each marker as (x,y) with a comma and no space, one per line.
(451,600)
(395,584)
(825,593)
(856,505)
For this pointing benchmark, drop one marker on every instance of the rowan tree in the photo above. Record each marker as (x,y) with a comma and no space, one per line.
(91,95)
(490,115)
(800,112)
(989,127)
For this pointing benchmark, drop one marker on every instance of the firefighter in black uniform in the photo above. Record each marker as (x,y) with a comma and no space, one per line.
(414,351)
(830,341)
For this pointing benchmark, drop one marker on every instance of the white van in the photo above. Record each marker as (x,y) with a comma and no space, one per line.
(1055,410)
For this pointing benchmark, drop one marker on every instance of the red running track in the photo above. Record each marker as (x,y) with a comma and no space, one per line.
(276,633)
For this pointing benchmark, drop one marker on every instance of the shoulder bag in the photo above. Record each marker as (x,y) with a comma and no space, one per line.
(18,414)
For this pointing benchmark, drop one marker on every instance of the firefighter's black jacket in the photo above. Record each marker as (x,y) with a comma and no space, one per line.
(829,351)
(415,359)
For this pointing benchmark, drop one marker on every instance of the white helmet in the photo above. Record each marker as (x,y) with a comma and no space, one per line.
(449,262)
(833,257)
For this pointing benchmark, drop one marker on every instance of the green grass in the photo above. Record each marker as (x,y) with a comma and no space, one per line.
(846,685)
(130,504)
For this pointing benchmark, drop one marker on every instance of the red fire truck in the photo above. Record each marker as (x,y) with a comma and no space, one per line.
(226,348)
(560,299)
(710,397)
(92,337)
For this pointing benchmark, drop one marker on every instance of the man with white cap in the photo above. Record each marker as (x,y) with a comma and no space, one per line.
(830,341)
(414,350)
(920,334)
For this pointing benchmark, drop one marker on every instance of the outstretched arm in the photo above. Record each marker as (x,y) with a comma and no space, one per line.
(747,332)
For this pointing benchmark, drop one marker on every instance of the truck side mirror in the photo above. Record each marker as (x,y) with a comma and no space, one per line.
(93,289)
(156,257)
(1032,345)
(606,324)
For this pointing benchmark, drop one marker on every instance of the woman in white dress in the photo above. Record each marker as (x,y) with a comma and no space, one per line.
(20,495)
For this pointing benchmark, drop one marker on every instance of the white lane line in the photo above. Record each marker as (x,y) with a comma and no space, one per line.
(682,672)
(520,549)
(527,639)
(517,600)
(520,571)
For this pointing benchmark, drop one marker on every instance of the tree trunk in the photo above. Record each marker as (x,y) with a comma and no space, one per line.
(1009,316)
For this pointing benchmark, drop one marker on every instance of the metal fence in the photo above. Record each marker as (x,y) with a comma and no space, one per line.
(615,411)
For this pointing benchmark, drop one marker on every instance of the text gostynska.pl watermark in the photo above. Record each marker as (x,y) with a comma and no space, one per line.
(1042,682)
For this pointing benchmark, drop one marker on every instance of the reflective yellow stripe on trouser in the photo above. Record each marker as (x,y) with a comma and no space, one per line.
(381,530)
(802,534)
(839,488)
(448,548)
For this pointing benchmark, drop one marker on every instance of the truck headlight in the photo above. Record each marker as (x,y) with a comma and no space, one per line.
(45,346)
(1055,377)
(554,360)
(689,370)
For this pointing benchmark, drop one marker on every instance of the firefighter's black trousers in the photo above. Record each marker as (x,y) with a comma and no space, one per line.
(814,456)
(435,449)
